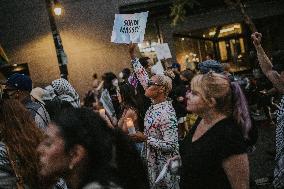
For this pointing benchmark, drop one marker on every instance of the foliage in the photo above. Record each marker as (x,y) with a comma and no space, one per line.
(178,9)
(241,6)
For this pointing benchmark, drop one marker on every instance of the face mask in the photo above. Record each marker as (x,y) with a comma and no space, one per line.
(184,82)
(115,82)
(120,75)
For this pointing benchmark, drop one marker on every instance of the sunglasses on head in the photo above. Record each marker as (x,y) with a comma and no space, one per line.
(150,83)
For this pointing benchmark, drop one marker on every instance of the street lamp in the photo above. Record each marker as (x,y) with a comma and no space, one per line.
(53,7)
(57,8)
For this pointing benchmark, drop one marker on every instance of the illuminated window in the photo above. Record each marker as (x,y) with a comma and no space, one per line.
(226,43)
(223,51)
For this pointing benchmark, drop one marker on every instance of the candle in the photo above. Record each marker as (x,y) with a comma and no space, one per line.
(130,126)
(102,112)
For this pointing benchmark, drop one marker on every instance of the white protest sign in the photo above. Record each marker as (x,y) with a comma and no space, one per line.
(157,68)
(107,103)
(163,51)
(129,28)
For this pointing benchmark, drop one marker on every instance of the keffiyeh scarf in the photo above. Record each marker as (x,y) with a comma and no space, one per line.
(279,168)
(64,91)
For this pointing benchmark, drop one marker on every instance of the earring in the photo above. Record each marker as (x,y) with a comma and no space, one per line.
(71,167)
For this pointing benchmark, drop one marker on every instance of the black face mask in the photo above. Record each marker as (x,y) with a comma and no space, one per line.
(184,82)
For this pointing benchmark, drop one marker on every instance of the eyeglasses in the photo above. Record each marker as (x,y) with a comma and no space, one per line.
(150,83)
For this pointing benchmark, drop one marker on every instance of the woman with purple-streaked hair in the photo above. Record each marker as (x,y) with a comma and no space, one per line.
(214,153)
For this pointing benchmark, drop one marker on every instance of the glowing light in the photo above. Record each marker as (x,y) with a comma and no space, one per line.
(226,30)
(57,11)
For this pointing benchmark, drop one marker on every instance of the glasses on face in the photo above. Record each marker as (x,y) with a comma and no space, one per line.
(150,83)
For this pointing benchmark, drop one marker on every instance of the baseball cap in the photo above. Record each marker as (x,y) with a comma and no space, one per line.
(209,65)
(175,65)
(20,82)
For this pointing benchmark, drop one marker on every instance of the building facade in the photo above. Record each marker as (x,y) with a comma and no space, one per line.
(214,28)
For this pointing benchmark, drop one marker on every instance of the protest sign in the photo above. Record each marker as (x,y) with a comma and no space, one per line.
(157,68)
(129,28)
(163,51)
(107,103)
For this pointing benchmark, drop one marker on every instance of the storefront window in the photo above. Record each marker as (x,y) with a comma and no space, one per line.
(225,43)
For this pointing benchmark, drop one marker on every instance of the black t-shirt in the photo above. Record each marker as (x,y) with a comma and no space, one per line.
(180,107)
(202,159)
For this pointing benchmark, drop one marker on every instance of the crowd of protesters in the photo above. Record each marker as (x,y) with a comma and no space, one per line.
(133,130)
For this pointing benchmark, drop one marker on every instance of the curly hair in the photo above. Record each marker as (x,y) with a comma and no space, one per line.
(21,136)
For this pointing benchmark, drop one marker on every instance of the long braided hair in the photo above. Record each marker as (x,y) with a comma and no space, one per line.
(21,136)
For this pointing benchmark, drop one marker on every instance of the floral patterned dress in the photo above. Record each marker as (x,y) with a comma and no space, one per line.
(160,124)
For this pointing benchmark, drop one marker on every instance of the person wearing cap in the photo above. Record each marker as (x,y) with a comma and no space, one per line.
(176,67)
(160,126)
(18,86)
(210,65)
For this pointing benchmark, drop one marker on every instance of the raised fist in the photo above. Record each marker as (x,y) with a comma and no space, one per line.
(256,37)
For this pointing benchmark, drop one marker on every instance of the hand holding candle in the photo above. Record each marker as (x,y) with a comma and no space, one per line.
(102,112)
(130,126)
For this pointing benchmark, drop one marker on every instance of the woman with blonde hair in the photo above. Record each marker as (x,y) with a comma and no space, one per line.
(214,152)
(19,160)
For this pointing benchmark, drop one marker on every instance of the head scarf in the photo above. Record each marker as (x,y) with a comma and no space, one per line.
(64,91)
